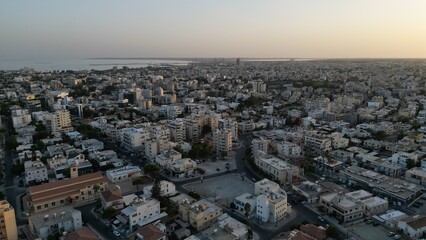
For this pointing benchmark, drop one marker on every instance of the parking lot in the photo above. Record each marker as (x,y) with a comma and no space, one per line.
(224,188)
(371,232)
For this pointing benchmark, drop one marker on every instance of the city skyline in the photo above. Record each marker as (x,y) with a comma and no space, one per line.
(193,29)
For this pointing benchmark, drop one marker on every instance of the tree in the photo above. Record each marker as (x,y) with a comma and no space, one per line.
(332,232)
(152,170)
(156,188)
(247,209)
(109,212)
(139,181)
(96,188)
(194,195)
(17,169)
(380,135)
(410,163)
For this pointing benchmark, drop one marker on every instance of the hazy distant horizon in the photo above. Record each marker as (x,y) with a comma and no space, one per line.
(329,29)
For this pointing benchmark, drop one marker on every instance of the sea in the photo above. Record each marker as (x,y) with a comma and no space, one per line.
(86,64)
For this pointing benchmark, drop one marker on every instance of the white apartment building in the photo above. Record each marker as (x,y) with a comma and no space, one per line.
(288,149)
(141,212)
(177,130)
(166,189)
(134,138)
(20,118)
(276,168)
(271,202)
(193,128)
(167,157)
(92,145)
(182,167)
(374,206)
(229,124)
(338,141)
(259,144)
(344,209)
(61,121)
(159,132)
(151,149)
(222,141)
(55,220)
(401,158)
(318,142)
(35,172)
(123,174)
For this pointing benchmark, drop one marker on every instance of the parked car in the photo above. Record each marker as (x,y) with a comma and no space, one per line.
(116,233)
(391,234)
(396,237)
(321,219)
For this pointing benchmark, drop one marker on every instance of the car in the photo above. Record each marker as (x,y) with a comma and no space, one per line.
(396,237)
(116,233)
(375,224)
(321,219)
(370,221)
(254,179)
(391,234)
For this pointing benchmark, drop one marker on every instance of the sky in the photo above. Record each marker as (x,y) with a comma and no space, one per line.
(48,29)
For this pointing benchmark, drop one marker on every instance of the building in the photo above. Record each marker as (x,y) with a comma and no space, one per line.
(278,169)
(166,189)
(83,234)
(413,226)
(182,167)
(394,190)
(35,172)
(222,141)
(61,121)
(203,214)
(259,144)
(374,206)
(166,158)
(311,191)
(64,192)
(55,220)
(92,145)
(318,142)
(271,202)
(123,174)
(342,207)
(140,213)
(327,165)
(8,229)
(416,175)
(150,232)
(177,130)
(20,118)
(112,198)
(134,138)
(288,149)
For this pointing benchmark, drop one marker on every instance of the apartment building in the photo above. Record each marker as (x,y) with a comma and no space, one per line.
(318,142)
(20,118)
(271,201)
(342,207)
(166,189)
(203,214)
(134,138)
(182,167)
(8,230)
(35,172)
(64,192)
(259,144)
(123,174)
(61,121)
(416,175)
(177,130)
(140,213)
(92,145)
(288,149)
(55,220)
(222,141)
(275,167)
(193,128)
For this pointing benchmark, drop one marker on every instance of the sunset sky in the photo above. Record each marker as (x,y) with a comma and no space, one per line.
(213,28)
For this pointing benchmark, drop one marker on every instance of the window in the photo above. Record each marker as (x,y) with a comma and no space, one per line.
(38,207)
(53,203)
(46,205)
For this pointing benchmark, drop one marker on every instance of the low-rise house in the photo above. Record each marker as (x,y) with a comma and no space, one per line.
(278,169)
(123,174)
(112,198)
(150,232)
(413,226)
(55,220)
(166,189)
(416,175)
(343,208)
(92,145)
(35,172)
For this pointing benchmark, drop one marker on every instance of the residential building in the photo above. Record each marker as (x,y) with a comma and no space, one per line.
(61,121)
(278,169)
(123,174)
(150,232)
(92,145)
(20,118)
(8,229)
(140,213)
(318,142)
(342,207)
(166,189)
(134,138)
(374,206)
(177,130)
(271,201)
(35,172)
(182,167)
(55,220)
(288,149)
(413,226)
(222,141)
(327,165)
(83,234)
(203,214)
(259,144)
(416,175)
(112,198)
(64,192)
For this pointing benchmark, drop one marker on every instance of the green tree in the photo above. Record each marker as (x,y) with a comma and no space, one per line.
(332,232)
(109,212)
(139,181)
(156,188)
(194,195)
(17,169)
(152,170)
(410,163)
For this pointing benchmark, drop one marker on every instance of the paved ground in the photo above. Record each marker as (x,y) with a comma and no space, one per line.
(370,232)
(223,188)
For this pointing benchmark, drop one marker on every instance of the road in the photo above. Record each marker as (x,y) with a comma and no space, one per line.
(10,189)
(104,231)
